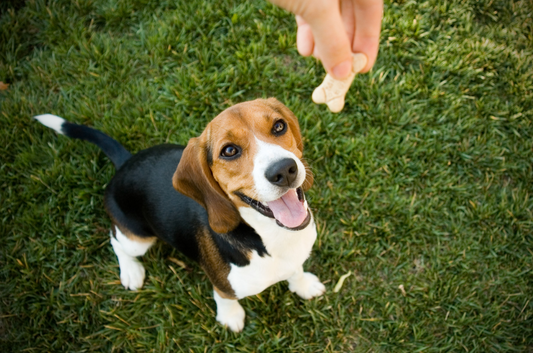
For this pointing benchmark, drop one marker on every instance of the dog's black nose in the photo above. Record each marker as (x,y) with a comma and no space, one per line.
(283,172)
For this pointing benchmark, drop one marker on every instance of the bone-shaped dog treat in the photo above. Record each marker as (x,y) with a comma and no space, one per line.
(332,91)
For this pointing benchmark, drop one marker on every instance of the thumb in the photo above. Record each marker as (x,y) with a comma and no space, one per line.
(332,44)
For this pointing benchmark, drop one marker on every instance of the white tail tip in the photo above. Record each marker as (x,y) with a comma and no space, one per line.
(51,121)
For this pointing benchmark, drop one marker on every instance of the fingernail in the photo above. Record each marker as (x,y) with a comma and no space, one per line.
(342,70)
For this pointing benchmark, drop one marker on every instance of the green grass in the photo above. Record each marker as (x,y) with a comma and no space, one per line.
(424,180)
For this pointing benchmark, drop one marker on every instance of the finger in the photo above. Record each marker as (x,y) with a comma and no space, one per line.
(304,37)
(368,15)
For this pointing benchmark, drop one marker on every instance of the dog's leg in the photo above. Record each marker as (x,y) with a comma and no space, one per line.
(126,249)
(229,312)
(306,284)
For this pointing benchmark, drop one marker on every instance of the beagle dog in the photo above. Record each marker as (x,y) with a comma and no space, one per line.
(232,200)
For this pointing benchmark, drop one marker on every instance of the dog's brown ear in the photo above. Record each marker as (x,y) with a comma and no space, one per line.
(292,120)
(193,178)
(309,178)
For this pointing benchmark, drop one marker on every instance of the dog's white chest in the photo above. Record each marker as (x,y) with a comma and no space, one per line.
(287,251)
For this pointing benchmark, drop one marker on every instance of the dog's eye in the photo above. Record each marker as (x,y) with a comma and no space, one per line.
(230,151)
(279,127)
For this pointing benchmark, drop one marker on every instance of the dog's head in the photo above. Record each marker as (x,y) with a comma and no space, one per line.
(248,156)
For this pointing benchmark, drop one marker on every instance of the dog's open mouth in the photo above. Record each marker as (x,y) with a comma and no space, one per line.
(289,210)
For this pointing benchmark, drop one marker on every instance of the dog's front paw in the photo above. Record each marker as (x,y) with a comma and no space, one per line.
(307,286)
(231,315)
(132,274)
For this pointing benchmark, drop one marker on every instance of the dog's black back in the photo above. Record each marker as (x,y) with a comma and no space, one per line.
(145,180)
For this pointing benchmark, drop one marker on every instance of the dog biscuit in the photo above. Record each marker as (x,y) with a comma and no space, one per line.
(332,91)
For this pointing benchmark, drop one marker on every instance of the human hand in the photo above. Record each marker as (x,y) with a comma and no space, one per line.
(331,30)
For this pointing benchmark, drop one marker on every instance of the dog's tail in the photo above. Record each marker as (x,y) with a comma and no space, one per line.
(114,150)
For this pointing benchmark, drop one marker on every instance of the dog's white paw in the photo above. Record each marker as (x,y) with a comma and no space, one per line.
(307,286)
(131,274)
(231,315)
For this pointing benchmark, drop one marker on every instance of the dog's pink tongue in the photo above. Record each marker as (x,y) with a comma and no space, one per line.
(288,210)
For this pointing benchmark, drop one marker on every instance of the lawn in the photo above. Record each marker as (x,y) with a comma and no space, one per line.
(423,183)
